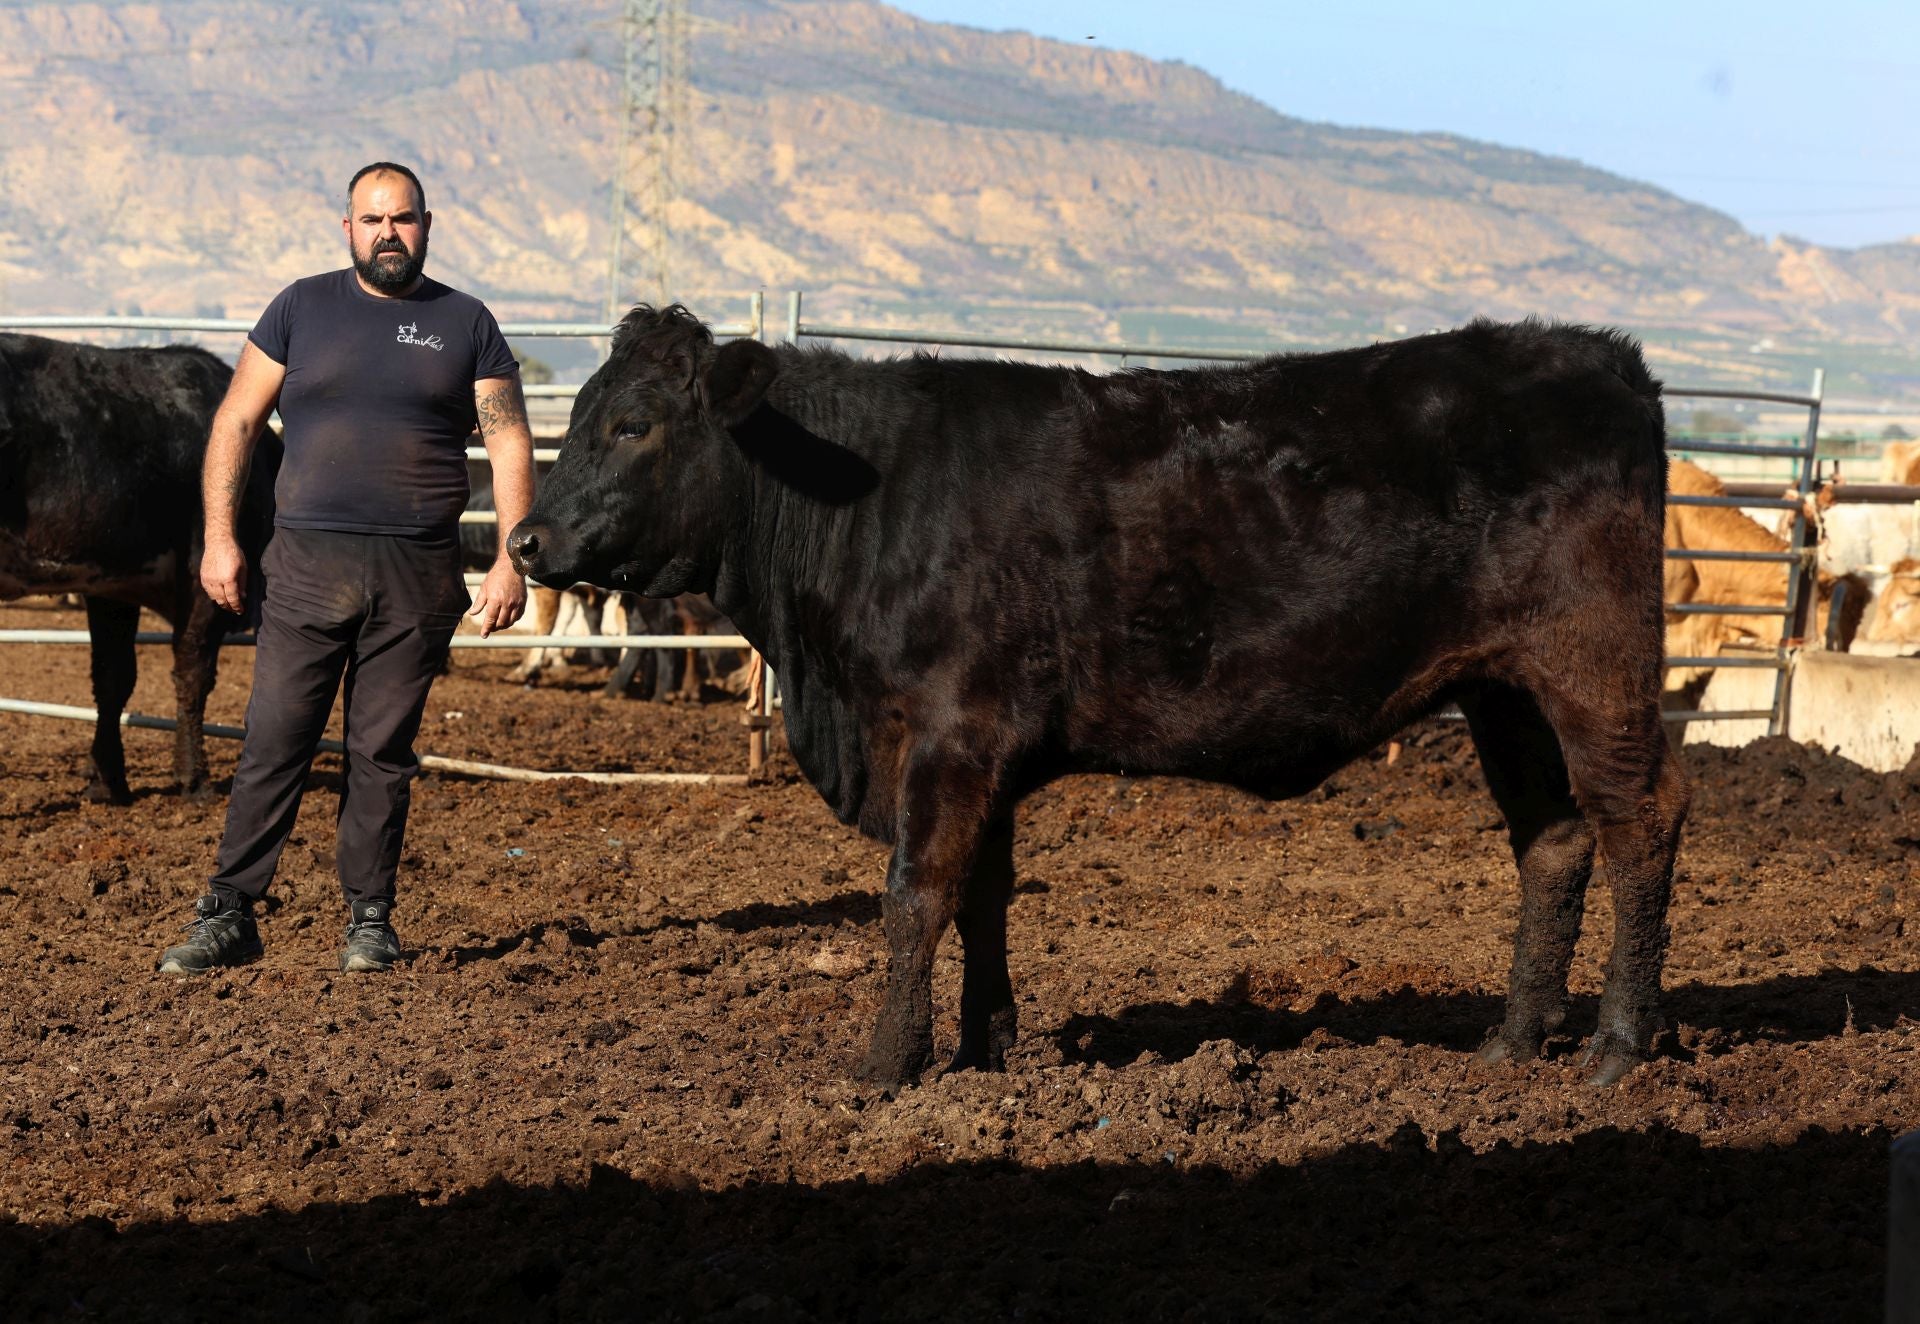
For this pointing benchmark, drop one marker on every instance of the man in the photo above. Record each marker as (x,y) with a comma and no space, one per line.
(380,374)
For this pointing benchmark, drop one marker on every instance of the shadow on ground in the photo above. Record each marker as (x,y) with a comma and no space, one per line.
(1612,1225)
(852,907)
(1787,1009)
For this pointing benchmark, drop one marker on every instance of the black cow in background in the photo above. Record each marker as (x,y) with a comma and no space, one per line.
(479,547)
(676,673)
(973,577)
(101,449)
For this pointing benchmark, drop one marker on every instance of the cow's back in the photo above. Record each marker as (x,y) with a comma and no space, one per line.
(104,447)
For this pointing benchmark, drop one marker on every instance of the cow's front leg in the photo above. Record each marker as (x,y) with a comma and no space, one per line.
(943,815)
(987,1017)
(110,630)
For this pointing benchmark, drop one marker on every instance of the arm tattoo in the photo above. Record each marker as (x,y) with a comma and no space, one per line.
(500,409)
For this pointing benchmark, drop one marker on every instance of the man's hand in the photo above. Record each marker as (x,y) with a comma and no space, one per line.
(501,599)
(223,574)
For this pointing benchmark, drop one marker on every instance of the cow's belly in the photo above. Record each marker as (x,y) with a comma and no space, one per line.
(1273,749)
(23,572)
(1269,721)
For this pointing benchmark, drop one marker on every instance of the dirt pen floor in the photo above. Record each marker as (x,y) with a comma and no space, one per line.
(612,1080)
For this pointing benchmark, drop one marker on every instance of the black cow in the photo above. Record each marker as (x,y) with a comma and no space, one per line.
(678,673)
(101,449)
(972,577)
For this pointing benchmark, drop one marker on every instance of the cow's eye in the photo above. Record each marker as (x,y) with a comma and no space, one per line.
(635,430)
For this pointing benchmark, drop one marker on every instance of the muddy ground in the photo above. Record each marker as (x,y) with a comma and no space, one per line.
(612,1080)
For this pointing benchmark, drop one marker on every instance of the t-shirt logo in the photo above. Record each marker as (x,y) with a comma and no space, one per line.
(409,336)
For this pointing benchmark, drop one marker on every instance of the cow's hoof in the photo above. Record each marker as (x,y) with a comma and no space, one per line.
(985,1047)
(1494,1051)
(891,1064)
(100,793)
(884,1076)
(1613,1068)
(1611,1060)
(200,793)
(1510,1045)
(976,1057)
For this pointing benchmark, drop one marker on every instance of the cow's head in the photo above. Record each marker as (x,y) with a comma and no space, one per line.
(648,480)
(1896,619)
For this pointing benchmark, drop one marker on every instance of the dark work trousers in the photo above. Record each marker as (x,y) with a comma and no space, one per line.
(378,610)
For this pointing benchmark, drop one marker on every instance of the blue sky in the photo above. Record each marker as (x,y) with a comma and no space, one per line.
(1796,119)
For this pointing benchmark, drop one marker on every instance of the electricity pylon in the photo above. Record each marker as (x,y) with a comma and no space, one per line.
(647,158)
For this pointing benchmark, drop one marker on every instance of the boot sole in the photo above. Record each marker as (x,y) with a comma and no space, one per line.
(363,965)
(175,968)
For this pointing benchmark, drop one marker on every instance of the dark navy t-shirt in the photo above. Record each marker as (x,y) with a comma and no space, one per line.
(377,404)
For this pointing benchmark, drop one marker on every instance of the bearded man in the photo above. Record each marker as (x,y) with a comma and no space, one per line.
(380,374)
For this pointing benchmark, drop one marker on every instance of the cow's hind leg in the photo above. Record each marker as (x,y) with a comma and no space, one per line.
(1628,781)
(196,653)
(987,1018)
(110,627)
(944,812)
(1553,846)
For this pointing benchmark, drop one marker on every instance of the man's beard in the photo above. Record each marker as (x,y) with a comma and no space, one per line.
(389,276)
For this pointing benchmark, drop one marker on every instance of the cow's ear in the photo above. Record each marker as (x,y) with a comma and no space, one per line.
(740,375)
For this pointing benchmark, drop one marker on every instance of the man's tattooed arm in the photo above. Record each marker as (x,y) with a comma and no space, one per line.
(502,411)
(500,406)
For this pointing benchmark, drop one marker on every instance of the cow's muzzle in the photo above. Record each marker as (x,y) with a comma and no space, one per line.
(543,553)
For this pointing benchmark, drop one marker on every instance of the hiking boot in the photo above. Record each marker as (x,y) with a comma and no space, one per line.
(371,942)
(223,934)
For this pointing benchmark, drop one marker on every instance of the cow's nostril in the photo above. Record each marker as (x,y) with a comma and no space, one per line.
(523,544)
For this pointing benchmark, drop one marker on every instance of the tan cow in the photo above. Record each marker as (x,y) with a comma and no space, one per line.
(1896,616)
(1900,463)
(1753,583)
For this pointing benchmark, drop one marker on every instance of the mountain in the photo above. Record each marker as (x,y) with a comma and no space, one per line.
(191,157)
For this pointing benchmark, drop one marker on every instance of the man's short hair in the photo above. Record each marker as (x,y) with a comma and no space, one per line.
(386,167)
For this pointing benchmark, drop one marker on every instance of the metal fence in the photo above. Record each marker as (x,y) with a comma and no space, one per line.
(1795,561)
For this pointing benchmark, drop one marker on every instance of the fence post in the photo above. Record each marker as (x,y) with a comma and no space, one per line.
(758,718)
(1801,590)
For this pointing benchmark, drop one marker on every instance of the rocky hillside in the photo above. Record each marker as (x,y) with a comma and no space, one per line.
(190,156)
